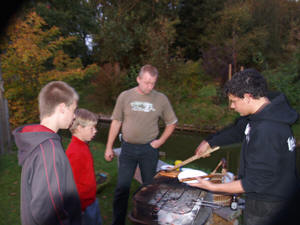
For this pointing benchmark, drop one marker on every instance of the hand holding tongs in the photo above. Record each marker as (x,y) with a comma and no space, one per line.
(193,158)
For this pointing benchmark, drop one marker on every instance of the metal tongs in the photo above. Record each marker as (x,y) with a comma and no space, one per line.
(202,202)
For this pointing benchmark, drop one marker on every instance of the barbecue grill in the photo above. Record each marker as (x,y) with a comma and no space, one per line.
(167,201)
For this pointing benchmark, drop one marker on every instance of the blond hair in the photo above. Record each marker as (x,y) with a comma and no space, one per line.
(53,94)
(150,69)
(84,117)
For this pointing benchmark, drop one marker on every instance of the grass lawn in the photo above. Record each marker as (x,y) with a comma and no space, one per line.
(10,177)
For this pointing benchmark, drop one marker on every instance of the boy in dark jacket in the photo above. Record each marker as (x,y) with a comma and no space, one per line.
(48,191)
(83,130)
(267,173)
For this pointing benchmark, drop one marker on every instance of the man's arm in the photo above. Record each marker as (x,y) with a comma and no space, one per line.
(229,135)
(234,187)
(164,136)
(113,132)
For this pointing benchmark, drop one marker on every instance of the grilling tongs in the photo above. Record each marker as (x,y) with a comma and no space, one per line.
(171,172)
(193,158)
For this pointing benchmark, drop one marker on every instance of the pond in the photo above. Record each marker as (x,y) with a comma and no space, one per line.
(181,145)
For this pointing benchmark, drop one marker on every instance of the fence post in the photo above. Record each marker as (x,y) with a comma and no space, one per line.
(5,134)
(229,71)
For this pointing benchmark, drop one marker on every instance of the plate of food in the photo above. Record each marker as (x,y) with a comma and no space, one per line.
(189,175)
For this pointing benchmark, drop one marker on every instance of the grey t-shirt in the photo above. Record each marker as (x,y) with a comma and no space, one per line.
(140,114)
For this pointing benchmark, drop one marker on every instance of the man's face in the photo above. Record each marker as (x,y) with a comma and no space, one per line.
(240,105)
(146,83)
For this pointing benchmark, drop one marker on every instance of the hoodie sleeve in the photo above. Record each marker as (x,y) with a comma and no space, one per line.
(229,135)
(48,186)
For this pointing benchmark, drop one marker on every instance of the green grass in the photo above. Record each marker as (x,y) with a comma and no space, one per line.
(11,176)
(9,189)
(296,130)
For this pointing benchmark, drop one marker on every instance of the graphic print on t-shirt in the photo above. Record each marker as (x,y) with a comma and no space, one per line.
(247,132)
(142,106)
(291,143)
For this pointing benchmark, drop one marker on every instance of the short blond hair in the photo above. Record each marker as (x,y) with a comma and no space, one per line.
(84,117)
(150,69)
(53,94)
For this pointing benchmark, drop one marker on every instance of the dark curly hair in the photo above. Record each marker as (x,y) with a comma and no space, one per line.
(248,81)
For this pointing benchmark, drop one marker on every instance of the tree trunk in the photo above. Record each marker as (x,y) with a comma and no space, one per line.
(5,134)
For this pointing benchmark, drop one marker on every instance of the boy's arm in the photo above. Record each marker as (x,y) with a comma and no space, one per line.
(232,134)
(113,132)
(78,164)
(47,204)
(229,135)
(234,187)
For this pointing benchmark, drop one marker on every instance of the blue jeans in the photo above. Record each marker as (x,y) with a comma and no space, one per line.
(91,215)
(132,155)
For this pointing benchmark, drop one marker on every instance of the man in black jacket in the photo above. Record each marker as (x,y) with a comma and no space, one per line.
(267,173)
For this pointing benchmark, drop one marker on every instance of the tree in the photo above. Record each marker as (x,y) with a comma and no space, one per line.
(139,29)
(194,16)
(286,78)
(77,18)
(5,134)
(33,56)
(232,39)
(107,85)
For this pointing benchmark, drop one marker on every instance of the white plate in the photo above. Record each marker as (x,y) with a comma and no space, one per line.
(186,169)
(191,173)
(166,167)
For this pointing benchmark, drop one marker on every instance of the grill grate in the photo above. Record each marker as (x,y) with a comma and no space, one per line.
(167,201)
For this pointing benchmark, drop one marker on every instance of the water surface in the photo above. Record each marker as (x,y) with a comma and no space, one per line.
(181,145)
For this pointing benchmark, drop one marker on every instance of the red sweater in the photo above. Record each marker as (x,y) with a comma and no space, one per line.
(82,164)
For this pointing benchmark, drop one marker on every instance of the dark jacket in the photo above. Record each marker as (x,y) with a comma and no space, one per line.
(48,192)
(268,156)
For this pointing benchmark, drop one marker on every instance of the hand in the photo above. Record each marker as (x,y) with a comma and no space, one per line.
(203,147)
(156,143)
(109,154)
(203,183)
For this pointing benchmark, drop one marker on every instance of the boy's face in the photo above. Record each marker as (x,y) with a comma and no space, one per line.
(86,133)
(240,105)
(68,115)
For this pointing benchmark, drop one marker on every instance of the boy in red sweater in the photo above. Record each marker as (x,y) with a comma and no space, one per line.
(83,130)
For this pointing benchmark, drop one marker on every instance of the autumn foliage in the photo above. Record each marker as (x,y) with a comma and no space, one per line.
(108,83)
(33,55)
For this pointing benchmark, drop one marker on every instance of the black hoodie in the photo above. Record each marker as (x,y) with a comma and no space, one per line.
(268,156)
(48,192)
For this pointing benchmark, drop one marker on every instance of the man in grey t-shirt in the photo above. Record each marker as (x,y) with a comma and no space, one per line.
(138,111)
